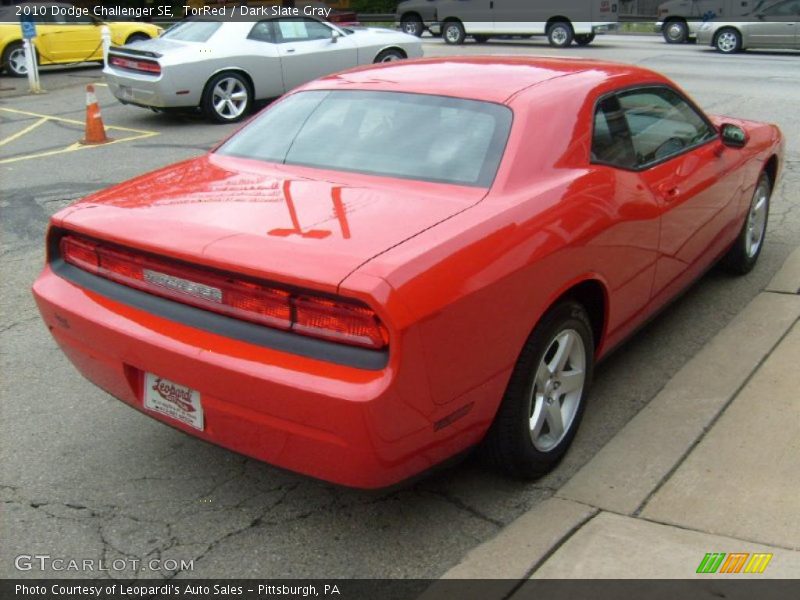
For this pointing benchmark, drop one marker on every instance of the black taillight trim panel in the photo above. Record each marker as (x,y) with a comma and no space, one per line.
(275,339)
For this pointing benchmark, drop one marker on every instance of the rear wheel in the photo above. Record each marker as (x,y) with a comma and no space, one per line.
(453,32)
(412,25)
(546,395)
(728,41)
(389,55)
(560,34)
(744,253)
(676,32)
(14,60)
(584,39)
(227,97)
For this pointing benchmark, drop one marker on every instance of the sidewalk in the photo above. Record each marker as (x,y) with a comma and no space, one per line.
(711,465)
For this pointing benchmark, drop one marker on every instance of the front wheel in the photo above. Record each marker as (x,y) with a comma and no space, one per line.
(227,98)
(584,39)
(744,253)
(453,32)
(390,55)
(560,34)
(546,395)
(14,60)
(728,41)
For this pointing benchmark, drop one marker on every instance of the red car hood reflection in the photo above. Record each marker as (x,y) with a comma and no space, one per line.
(291,223)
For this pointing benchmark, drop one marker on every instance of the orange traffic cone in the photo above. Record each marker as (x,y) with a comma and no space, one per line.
(95,131)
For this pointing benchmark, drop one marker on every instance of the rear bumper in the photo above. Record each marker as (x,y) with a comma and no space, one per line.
(354,427)
(149,91)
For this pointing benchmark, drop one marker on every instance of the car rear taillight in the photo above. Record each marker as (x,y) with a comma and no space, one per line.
(133,64)
(333,319)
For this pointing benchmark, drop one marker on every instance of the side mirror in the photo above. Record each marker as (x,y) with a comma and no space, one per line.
(733,136)
(335,35)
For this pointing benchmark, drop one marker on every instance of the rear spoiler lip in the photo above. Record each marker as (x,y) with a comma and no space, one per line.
(133,52)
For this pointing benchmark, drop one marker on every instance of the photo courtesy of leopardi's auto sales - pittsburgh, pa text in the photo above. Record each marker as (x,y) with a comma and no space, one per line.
(192,589)
(233,11)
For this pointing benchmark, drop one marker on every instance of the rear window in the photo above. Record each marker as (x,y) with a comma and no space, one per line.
(192,31)
(414,136)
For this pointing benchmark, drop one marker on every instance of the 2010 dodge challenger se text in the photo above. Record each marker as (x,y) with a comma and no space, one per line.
(394,264)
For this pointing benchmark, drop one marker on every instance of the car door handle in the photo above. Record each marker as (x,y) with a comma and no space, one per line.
(669,193)
(289,50)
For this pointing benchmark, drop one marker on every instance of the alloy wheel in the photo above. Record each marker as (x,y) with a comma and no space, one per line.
(557,390)
(757,220)
(229,98)
(16,61)
(727,42)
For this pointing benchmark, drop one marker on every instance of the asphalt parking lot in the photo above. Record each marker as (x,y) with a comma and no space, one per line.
(83,476)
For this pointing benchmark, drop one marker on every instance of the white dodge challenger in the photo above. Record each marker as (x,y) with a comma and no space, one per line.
(222,67)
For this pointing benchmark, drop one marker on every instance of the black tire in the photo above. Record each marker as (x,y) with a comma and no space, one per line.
(136,37)
(11,60)
(584,39)
(453,33)
(481,39)
(675,31)
(389,55)
(236,83)
(728,40)
(412,25)
(509,445)
(742,256)
(560,34)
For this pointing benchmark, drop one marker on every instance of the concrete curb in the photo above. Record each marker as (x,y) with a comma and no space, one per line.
(620,480)
(741,480)
(787,280)
(618,547)
(632,468)
(512,553)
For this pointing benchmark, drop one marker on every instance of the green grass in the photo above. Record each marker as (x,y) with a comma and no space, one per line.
(644,27)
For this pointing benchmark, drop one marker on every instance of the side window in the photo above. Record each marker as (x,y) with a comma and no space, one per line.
(611,140)
(263,31)
(661,124)
(302,30)
(783,9)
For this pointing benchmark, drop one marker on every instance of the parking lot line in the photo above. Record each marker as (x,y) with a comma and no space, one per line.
(19,134)
(138,134)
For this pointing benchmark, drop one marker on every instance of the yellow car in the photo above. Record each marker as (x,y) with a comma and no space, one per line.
(65,34)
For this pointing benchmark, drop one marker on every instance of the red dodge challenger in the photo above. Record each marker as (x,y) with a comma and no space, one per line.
(391,265)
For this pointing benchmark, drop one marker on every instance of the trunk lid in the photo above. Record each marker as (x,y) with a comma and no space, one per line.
(290,224)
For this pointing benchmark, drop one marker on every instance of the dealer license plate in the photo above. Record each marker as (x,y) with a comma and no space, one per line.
(173,400)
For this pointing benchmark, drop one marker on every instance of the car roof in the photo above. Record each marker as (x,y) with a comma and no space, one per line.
(488,78)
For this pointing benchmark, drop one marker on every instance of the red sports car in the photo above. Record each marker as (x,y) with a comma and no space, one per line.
(394,264)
